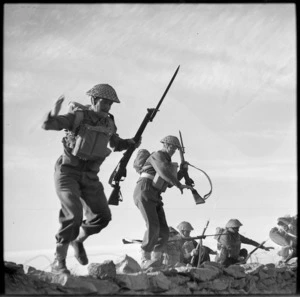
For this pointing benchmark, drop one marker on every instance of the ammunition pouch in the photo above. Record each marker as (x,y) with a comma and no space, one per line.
(159,183)
(91,142)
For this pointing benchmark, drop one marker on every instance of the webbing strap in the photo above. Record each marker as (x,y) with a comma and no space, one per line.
(211,187)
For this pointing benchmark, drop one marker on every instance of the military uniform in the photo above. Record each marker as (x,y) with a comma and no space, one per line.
(230,247)
(76,181)
(76,178)
(157,174)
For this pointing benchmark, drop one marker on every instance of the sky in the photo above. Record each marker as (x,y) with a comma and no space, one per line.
(233,99)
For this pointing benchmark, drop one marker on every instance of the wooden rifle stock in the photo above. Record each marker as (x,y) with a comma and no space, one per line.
(188,181)
(120,171)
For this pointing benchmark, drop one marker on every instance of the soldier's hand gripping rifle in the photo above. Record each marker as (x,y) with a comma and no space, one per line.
(188,181)
(120,171)
(199,248)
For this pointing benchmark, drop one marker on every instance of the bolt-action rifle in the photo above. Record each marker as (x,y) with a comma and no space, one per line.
(199,248)
(120,171)
(188,181)
(130,241)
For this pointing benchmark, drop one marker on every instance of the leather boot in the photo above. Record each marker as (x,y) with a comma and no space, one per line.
(145,258)
(79,251)
(157,257)
(59,264)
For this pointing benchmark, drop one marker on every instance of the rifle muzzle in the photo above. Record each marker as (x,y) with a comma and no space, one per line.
(115,196)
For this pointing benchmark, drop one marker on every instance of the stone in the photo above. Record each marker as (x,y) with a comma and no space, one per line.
(104,287)
(135,281)
(236,271)
(238,283)
(252,268)
(104,270)
(204,274)
(220,284)
(127,264)
(158,282)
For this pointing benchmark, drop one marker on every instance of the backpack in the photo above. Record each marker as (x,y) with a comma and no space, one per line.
(140,159)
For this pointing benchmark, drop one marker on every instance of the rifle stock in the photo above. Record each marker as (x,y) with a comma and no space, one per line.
(120,171)
(188,181)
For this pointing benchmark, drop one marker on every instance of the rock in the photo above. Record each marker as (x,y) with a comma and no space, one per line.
(158,282)
(126,264)
(252,268)
(238,283)
(104,287)
(236,271)
(104,270)
(204,274)
(135,281)
(220,284)
(178,291)
(179,279)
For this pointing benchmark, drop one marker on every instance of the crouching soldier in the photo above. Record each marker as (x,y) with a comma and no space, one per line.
(89,129)
(157,174)
(172,250)
(285,235)
(189,247)
(229,244)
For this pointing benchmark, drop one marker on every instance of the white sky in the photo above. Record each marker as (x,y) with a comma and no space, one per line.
(234,100)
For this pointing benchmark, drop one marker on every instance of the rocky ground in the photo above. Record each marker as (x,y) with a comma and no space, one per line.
(125,277)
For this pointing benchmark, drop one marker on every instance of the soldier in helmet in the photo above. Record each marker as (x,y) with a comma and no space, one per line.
(189,248)
(89,130)
(172,249)
(285,235)
(157,174)
(229,244)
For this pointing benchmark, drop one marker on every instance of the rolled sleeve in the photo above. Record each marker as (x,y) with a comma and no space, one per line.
(58,122)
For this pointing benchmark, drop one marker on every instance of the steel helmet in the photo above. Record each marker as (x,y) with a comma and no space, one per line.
(233,223)
(104,91)
(185,226)
(171,140)
(172,230)
(286,220)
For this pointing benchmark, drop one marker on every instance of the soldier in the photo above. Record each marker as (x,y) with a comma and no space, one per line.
(157,175)
(229,244)
(189,248)
(173,248)
(89,130)
(285,235)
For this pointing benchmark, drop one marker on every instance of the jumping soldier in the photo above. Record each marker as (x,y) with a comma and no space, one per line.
(229,244)
(89,129)
(157,174)
(188,248)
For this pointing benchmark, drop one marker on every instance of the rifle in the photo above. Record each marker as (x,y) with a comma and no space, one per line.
(254,250)
(188,181)
(120,170)
(130,241)
(199,248)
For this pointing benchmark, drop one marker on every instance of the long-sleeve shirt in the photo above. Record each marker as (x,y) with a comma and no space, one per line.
(160,162)
(231,243)
(67,122)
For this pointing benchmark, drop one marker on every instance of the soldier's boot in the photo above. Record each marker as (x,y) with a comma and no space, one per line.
(145,259)
(79,251)
(59,264)
(157,258)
